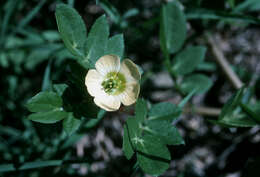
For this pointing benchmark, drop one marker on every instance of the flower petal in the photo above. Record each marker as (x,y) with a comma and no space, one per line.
(130,95)
(130,71)
(108,103)
(93,82)
(107,64)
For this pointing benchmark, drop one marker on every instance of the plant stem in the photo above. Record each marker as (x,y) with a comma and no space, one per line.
(205,111)
(39,164)
(223,63)
(167,63)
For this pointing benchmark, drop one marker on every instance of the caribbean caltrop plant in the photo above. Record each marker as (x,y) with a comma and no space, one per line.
(99,79)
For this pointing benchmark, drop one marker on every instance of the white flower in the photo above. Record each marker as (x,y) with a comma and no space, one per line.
(112,83)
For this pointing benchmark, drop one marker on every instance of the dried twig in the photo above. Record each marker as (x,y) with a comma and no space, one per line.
(204,111)
(223,63)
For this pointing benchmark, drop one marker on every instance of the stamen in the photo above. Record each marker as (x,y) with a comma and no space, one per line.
(114,83)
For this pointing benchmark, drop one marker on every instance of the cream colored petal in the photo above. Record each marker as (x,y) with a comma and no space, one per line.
(130,95)
(108,63)
(130,71)
(93,82)
(108,103)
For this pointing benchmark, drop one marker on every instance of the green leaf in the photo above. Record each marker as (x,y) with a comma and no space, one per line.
(172,27)
(44,52)
(97,41)
(231,114)
(32,13)
(9,10)
(132,135)
(165,131)
(130,13)
(51,35)
(231,3)
(76,97)
(79,102)
(134,130)
(232,104)
(71,124)
(187,60)
(115,45)
(30,165)
(199,82)
(48,117)
(141,110)
(185,100)
(48,106)
(164,111)
(237,120)
(152,155)
(60,88)
(201,13)
(44,101)
(250,112)
(72,29)
(207,66)
(127,146)
(4,60)
(93,122)
(110,10)
(248,5)
(47,83)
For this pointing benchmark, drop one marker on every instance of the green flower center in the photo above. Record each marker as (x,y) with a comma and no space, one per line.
(114,83)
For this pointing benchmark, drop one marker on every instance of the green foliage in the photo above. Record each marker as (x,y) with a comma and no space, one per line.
(70,101)
(67,102)
(97,40)
(44,101)
(48,117)
(98,44)
(30,165)
(76,97)
(29,49)
(141,110)
(252,113)
(164,111)
(232,104)
(27,42)
(60,88)
(116,45)
(110,10)
(131,132)
(211,14)
(152,155)
(172,37)
(147,137)
(165,132)
(198,82)
(87,49)
(120,20)
(72,29)
(71,124)
(172,27)
(233,116)
(248,5)
(47,107)
(46,83)
(188,59)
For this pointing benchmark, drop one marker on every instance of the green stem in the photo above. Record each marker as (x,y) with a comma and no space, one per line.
(167,63)
(250,112)
(38,164)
